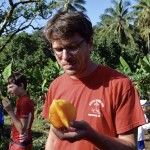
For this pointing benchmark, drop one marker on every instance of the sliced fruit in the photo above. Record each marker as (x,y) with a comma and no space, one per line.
(61,112)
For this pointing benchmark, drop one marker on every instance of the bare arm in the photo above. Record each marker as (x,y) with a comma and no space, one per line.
(51,140)
(126,141)
(21,125)
(82,130)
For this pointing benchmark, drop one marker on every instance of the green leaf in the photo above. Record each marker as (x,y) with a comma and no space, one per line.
(43,84)
(7,71)
(36,73)
(147,59)
(125,65)
(145,64)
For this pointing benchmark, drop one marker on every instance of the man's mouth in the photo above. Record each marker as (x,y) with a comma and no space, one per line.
(68,66)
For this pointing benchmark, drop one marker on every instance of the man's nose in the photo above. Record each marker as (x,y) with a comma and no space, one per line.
(8,90)
(66,54)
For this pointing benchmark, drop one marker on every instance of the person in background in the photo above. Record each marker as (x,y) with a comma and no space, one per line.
(107,103)
(141,129)
(23,114)
(1,120)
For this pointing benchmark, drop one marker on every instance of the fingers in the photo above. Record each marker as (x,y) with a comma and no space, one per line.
(78,130)
(5,100)
(63,129)
(6,103)
(78,124)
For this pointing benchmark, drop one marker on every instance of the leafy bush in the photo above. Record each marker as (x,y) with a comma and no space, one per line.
(141,75)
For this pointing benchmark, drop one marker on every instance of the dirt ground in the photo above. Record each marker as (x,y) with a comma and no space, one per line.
(147,141)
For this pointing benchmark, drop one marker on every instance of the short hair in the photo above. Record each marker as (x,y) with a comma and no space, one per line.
(17,78)
(65,24)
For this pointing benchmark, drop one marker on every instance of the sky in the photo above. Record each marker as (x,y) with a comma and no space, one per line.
(94,9)
(97,7)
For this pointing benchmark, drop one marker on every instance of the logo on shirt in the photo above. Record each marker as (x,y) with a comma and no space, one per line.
(95,108)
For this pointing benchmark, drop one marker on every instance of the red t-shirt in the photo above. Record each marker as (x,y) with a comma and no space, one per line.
(24,109)
(106,99)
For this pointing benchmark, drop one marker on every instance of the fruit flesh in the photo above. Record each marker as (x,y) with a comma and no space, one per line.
(61,113)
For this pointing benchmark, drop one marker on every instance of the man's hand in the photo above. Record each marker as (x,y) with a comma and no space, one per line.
(78,130)
(82,130)
(7,105)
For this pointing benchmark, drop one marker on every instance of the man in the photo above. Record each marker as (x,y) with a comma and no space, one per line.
(108,107)
(23,115)
(143,128)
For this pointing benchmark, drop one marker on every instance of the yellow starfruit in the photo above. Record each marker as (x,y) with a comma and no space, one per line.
(61,112)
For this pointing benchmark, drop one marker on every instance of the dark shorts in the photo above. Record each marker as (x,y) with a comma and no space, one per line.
(141,144)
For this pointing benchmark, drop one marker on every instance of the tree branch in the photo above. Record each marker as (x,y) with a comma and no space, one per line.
(11,3)
(14,33)
(9,14)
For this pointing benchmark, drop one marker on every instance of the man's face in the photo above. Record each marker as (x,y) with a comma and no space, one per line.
(144,109)
(73,55)
(13,89)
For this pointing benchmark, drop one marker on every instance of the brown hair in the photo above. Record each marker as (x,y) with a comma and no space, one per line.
(64,24)
(17,78)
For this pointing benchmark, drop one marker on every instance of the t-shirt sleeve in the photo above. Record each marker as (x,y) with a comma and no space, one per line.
(129,113)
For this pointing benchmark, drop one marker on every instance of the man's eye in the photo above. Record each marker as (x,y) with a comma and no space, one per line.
(71,47)
(58,50)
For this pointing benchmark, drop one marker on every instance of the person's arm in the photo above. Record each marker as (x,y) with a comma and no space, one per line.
(80,130)
(146,126)
(51,140)
(126,141)
(21,125)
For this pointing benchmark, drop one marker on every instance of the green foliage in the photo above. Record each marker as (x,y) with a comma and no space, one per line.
(22,49)
(50,72)
(32,57)
(106,51)
(117,20)
(70,5)
(141,76)
(5,136)
(3,77)
(145,63)
(125,66)
(142,21)
(39,134)
(16,16)
(7,72)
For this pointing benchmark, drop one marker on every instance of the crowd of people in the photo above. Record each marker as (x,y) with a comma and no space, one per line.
(108,106)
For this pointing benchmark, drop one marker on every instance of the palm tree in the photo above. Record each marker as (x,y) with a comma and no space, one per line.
(71,5)
(143,19)
(117,20)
